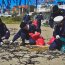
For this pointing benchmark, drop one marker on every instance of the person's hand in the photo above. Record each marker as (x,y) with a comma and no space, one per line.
(57,36)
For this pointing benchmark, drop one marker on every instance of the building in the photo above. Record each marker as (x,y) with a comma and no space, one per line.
(20,10)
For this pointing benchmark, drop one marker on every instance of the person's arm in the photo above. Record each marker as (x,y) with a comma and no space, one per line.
(7,32)
(56,31)
(51,22)
(63,31)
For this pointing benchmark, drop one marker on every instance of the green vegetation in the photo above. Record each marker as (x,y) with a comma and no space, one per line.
(17,19)
(12,20)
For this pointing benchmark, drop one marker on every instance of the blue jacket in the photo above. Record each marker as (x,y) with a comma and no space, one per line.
(26,18)
(59,30)
(3,30)
(39,18)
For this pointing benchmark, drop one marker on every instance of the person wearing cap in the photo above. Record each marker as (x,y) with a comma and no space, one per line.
(4,32)
(24,31)
(55,12)
(39,17)
(58,33)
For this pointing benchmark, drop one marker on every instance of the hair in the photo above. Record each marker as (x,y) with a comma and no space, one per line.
(55,8)
(40,13)
(23,24)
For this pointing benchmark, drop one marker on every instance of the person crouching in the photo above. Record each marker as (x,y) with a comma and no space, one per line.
(24,31)
(4,32)
(58,33)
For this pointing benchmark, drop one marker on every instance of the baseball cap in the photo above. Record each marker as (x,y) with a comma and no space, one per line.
(58,19)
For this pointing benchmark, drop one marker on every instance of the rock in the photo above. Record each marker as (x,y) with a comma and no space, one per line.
(19,55)
(5,58)
(27,56)
(24,52)
(40,55)
(34,56)
(23,61)
(11,55)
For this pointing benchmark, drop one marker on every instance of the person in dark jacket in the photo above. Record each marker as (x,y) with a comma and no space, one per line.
(55,12)
(4,32)
(39,17)
(24,31)
(58,33)
(26,18)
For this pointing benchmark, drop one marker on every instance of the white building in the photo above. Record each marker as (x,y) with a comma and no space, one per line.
(44,8)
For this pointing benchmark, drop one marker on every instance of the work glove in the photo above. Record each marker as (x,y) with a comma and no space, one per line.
(57,36)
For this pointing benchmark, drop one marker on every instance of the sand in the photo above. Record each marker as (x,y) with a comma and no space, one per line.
(23,56)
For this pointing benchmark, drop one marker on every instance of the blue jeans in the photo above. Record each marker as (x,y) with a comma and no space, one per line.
(31,41)
(23,36)
(53,46)
(57,44)
(21,33)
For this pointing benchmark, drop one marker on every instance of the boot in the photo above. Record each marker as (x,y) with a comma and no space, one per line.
(23,43)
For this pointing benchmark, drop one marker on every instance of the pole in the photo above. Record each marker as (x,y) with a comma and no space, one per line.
(36,4)
(28,6)
(2,6)
(25,2)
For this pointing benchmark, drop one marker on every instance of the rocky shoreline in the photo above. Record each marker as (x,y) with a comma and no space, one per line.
(25,56)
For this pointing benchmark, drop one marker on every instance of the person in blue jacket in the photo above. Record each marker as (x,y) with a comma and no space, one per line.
(26,18)
(24,31)
(39,17)
(4,32)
